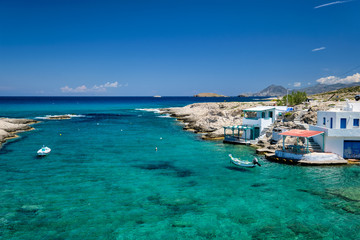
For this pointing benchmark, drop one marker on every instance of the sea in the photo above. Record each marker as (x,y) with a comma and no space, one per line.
(104,179)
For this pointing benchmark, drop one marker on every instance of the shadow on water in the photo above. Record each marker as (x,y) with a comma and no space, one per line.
(4,149)
(238,169)
(171,169)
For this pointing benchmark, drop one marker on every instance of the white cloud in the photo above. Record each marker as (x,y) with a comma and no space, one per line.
(318,49)
(332,3)
(79,89)
(95,88)
(333,80)
(297,84)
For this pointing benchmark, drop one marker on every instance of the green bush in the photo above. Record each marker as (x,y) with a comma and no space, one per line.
(294,98)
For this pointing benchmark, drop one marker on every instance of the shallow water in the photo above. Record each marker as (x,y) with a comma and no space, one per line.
(104,180)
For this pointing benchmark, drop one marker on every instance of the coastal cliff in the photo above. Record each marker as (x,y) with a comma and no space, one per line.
(10,126)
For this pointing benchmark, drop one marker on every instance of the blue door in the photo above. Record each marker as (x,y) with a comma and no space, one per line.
(331,122)
(352,149)
(343,123)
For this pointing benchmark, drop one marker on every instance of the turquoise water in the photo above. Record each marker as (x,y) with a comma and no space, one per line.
(104,180)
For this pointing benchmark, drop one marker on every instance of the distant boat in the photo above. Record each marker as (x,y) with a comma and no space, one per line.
(240,163)
(157,96)
(43,151)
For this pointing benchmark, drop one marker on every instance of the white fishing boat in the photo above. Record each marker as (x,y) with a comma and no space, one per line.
(43,151)
(241,163)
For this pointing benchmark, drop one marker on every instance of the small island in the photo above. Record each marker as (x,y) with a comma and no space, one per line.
(208,95)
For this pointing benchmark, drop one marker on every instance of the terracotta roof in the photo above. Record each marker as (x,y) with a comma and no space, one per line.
(301,133)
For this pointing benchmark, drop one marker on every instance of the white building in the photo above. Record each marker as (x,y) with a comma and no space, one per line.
(262,116)
(342,132)
(255,120)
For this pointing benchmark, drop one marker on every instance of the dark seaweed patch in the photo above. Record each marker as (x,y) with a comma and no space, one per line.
(155,166)
(171,169)
(258,185)
(315,193)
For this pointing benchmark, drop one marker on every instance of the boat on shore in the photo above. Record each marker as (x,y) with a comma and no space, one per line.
(43,151)
(241,163)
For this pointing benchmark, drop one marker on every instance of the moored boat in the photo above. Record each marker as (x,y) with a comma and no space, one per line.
(241,163)
(43,151)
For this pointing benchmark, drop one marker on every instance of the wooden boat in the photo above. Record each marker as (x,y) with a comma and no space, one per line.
(241,163)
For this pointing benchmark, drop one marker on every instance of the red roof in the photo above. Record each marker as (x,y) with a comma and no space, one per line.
(301,133)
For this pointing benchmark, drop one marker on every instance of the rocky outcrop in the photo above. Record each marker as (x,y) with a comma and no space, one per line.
(60,117)
(10,126)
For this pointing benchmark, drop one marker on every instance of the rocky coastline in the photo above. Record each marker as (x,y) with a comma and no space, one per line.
(10,126)
(208,119)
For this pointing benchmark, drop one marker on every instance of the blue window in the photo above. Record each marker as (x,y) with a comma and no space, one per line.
(263,115)
(324,121)
(331,122)
(343,123)
(356,122)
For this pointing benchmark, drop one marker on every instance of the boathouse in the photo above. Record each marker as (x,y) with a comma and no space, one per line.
(301,152)
(342,130)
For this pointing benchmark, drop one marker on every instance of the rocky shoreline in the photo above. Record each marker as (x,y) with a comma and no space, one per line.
(10,126)
(208,119)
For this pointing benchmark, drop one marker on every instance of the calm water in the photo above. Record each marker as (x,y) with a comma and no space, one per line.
(104,180)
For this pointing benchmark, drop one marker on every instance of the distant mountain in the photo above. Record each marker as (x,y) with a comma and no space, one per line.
(279,91)
(322,88)
(272,90)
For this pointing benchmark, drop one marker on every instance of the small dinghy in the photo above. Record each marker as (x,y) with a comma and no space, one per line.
(43,151)
(240,163)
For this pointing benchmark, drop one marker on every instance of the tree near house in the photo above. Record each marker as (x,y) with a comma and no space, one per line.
(294,98)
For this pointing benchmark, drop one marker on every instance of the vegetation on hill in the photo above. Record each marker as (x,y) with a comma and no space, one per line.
(340,94)
(293,98)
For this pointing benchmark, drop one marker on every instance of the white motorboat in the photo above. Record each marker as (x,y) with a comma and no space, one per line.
(241,163)
(43,151)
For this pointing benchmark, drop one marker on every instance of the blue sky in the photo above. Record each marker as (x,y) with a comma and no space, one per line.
(175,48)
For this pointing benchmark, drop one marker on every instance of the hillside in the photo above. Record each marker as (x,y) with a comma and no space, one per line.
(323,88)
(339,94)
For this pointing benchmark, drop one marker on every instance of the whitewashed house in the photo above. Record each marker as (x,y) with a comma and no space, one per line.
(342,131)
(255,121)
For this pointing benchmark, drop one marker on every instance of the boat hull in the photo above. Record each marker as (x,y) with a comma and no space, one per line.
(242,165)
(43,151)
